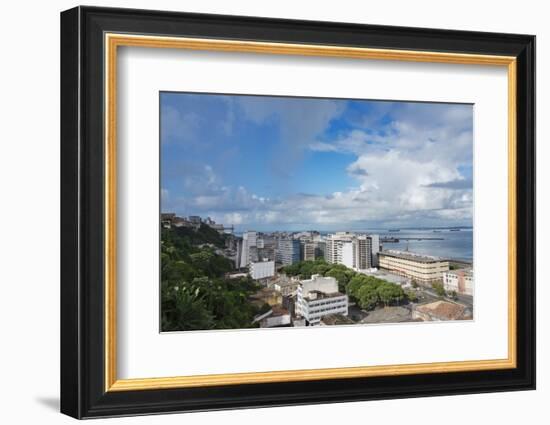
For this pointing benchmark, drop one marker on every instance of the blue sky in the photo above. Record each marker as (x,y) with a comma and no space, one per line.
(268,163)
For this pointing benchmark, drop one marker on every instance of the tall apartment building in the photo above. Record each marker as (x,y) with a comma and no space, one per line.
(354,251)
(319,297)
(362,248)
(266,248)
(320,248)
(422,268)
(312,249)
(307,250)
(248,249)
(375,249)
(287,251)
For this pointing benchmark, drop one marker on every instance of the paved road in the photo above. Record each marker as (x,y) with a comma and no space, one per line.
(467,300)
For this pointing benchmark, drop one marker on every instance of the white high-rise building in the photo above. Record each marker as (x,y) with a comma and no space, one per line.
(347,254)
(358,252)
(375,249)
(249,250)
(334,246)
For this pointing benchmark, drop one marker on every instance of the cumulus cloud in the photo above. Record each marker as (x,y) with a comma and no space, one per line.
(458,184)
(299,122)
(407,165)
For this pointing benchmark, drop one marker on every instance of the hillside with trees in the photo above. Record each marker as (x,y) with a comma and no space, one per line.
(195,295)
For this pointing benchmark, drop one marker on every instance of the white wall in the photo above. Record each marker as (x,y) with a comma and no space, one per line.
(261,269)
(29,175)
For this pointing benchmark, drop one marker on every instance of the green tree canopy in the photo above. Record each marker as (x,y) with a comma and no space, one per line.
(195,292)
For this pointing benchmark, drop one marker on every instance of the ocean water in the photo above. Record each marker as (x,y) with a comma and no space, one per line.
(457,245)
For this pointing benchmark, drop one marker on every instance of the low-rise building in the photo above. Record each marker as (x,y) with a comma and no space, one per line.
(318,297)
(262,269)
(424,269)
(286,286)
(267,296)
(236,275)
(440,311)
(460,281)
(195,219)
(279,317)
(171,219)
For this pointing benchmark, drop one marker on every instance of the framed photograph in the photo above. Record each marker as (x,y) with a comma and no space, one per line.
(261,212)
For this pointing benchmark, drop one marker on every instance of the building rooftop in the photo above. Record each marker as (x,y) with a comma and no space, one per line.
(466,272)
(279,311)
(336,319)
(443,310)
(406,255)
(283,283)
(319,295)
(265,294)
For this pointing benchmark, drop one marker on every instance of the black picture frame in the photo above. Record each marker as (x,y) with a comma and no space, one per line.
(83,392)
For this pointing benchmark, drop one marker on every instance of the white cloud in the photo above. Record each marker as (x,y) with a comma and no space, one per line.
(300,123)
(406,169)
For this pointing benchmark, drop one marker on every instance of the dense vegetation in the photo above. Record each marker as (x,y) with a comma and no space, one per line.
(194,293)
(367,291)
(439,289)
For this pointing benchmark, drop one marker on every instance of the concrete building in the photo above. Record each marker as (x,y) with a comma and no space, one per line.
(267,296)
(286,286)
(460,281)
(195,219)
(310,250)
(347,254)
(375,249)
(248,250)
(266,247)
(362,247)
(318,297)
(288,251)
(320,248)
(211,223)
(440,311)
(385,275)
(307,249)
(423,269)
(262,269)
(279,317)
(169,220)
(357,252)
(334,245)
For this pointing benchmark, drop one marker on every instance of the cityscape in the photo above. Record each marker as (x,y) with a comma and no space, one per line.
(384,190)
(343,278)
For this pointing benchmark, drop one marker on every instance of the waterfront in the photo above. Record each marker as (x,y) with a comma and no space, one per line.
(457,245)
